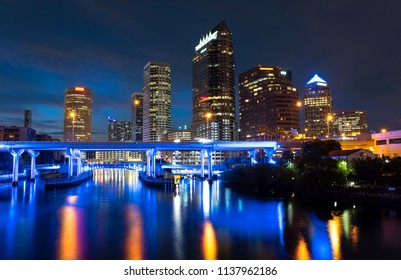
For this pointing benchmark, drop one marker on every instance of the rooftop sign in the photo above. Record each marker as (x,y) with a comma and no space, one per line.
(206,39)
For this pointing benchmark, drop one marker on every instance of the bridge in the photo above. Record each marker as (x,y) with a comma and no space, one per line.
(73,150)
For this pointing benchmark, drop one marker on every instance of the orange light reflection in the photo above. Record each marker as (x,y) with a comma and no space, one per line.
(334,228)
(302,252)
(69,245)
(134,243)
(209,242)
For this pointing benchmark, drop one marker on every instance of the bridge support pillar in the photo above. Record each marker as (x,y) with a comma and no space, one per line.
(16,154)
(210,164)
(202,163)
(269,152)
(33,155)
(70,154)
(148,159)
(78,154)
(153,172)
(253,154)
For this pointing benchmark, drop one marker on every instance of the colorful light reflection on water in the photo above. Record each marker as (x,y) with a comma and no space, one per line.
(116,217)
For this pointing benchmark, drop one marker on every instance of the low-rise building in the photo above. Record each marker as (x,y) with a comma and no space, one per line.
(17,133)
(387,143)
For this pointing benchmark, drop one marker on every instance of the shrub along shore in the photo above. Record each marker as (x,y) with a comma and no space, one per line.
(316,179)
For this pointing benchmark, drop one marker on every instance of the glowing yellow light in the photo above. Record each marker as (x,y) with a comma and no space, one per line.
(208,115)
(72,114)
(136,102)
(69,245)
(334,228)
(265,68)
(302,252)
(79,89)
(299,104)
(134,242)
(209,242)
(329,117)
(384,130)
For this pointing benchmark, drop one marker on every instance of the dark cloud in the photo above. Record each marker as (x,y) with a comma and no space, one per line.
(47,46)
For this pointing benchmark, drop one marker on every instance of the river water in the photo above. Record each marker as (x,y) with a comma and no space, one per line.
(114,216)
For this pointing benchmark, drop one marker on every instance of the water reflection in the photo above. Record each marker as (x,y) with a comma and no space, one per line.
(334,228)
(71,241)
(302,251)
(209,242)
(134,243)
(116,217)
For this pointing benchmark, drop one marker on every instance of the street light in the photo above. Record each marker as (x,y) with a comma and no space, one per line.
(136,103)
(301,123)
(329,119)
(72,115)
(208,116)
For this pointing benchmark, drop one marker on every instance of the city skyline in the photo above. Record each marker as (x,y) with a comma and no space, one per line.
(105,47)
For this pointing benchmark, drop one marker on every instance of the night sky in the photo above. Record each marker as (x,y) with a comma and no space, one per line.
(47,46)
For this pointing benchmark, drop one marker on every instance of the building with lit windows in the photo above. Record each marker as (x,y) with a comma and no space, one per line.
(268,103)
(387,143)
(213,95)
(350,123)
(181,157)
(318,108)
(156,100)
(17,133)
(137,116)
(119,131)
(78,114)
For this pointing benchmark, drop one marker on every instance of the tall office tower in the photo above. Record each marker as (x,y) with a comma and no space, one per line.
(78,114)
(213,81)
(28,118)
(156,100)
(119,131)
(318,108)
(137,116)
(268,103)
(350,123)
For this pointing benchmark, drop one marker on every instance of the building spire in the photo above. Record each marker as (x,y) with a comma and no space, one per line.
(316,79)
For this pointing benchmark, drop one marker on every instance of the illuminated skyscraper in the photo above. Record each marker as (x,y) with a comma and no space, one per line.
(156,100)
(119,131)
(213,77)
(268,103)
(318,108)
(137,116)
(78,114)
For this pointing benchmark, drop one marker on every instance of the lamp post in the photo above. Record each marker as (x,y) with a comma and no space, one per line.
(208,116)
(136,103)
(72,115)
(329,119)
(301,115)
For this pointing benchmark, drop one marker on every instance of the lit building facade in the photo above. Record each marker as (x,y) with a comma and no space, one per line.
(350,123)
(78,114)
(387,143)
(213,94)
(180,157)
(318,108)
(268,103)
(119,131)
(137,116)
(17,133)
(156,100)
